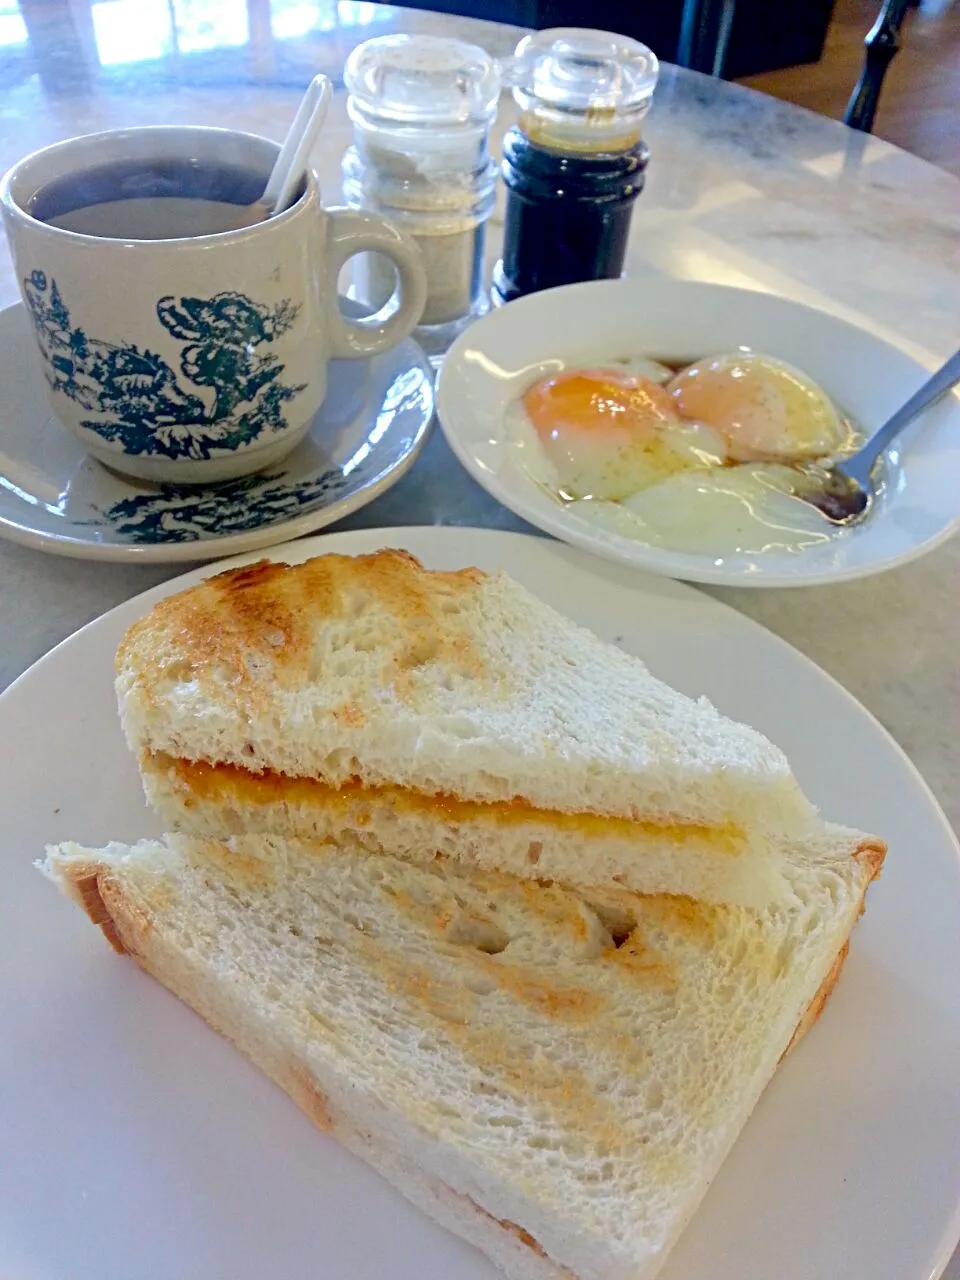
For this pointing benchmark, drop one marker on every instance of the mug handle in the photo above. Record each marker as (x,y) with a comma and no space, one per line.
(355,231)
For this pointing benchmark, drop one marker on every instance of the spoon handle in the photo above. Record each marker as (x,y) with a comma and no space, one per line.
(292,159)
(936,386)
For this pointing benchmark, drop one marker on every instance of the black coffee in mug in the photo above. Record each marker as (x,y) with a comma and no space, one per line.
(161,199)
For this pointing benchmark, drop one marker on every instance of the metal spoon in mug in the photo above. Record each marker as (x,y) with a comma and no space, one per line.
(291,162)
(845,489)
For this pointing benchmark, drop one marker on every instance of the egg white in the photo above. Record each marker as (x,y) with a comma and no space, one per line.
(652,370)
(524,444)
(746,509)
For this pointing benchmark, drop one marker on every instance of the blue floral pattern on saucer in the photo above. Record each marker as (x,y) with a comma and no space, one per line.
(177,514)
(370,429)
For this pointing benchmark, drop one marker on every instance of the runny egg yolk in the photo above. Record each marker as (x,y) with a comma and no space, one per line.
(609,434)
(765,409)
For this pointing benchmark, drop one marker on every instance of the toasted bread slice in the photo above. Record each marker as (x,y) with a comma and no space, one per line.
(367,699)
(555,1076)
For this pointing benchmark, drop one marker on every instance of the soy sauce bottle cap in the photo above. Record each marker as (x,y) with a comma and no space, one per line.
(582,90)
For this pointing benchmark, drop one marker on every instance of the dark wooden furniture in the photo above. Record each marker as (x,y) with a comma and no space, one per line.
(767,34)
(707,26)
(882,43)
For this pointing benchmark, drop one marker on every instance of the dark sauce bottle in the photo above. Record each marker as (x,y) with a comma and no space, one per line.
(574,164)
(567,216)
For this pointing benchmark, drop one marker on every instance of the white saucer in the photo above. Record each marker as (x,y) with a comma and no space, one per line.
(54,497)
(497,358)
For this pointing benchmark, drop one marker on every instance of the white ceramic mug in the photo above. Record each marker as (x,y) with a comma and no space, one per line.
(204,357)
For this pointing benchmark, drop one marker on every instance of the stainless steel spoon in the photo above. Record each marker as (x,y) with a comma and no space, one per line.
(845,490)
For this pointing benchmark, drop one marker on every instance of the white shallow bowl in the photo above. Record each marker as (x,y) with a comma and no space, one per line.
(137,1143)
(501,355)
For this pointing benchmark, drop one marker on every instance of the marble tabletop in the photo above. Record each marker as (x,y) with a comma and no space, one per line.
(742,189)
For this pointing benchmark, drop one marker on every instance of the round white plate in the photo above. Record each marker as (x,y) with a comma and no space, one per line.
(137,1143)
(53,496)
(502,354)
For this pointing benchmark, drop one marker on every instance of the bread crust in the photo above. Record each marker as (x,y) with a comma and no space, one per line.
(84,885)
(870,854)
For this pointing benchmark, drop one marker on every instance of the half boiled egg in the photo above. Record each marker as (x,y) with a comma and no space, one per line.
(763,408)
(608,433)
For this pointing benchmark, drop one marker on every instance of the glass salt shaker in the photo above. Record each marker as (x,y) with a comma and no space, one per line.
(574,163)
(422,108)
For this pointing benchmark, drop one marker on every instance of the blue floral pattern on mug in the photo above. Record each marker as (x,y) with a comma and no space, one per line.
(231,393)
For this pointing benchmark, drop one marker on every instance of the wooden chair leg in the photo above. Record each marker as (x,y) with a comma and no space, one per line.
(882,44)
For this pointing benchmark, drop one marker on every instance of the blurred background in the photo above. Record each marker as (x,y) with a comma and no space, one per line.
(810,52)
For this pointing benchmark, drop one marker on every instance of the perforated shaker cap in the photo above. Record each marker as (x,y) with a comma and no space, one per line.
(416,81)
(582,89)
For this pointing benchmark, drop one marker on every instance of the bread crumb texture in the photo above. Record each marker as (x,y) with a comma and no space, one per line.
(592,1053)
(374,669)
